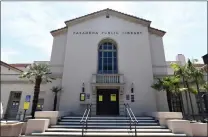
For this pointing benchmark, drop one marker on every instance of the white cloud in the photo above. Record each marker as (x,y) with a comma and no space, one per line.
(31,22)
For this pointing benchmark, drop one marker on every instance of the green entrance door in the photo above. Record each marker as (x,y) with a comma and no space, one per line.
(107,102)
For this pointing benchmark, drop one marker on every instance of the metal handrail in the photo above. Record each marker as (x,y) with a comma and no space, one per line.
(131,120)
(85,118)
(83,115)
(132,113)
(134,120)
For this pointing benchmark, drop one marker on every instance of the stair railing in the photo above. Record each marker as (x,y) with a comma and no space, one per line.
(85,117)
(132,118)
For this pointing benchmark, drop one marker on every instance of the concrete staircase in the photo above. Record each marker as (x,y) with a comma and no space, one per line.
(107,126)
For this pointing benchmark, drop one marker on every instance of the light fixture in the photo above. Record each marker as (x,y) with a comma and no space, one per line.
(132,88)
(121,90)
(83,87)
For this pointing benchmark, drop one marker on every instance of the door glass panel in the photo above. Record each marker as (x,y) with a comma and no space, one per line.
(100,98)
(113,97)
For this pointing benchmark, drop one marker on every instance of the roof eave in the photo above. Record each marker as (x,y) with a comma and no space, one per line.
(156,31)
(143,21)
(58,31)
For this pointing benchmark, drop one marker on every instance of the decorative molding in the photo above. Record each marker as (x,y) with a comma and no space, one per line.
(59,31)
(125,16)
(156,31)
(110,12)
(108,84)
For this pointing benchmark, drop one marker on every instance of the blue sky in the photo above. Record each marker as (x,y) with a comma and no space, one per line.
(26,26)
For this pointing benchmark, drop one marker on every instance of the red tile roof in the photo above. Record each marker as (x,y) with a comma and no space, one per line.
(199,65)
(19,65)
(10,66)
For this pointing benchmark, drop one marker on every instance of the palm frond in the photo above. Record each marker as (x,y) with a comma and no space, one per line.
(56,89)
(193,90)
(36,70)
(205,86)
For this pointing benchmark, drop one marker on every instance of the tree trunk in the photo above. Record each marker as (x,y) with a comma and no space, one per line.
(181,103)
(187,103)
(200,99)
(169,101)
(55,102)
(191,103)
(36,96)
(179,96)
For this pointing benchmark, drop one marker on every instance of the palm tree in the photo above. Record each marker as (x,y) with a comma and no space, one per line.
(170,84)
(197,76)
(55,90)
(205,86)
(183,73)
(159,86)
(37,73)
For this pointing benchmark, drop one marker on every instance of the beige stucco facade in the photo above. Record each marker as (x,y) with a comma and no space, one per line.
(74,60)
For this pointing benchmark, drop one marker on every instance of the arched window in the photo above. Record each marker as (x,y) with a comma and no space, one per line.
(107,58)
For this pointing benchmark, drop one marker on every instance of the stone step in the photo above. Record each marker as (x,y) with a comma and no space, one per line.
(110,120)
(99,123)
(109,130)
(108,127)
(117,118)
(103,134)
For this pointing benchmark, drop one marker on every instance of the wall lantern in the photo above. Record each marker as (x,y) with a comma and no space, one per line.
(132,88)
(121,90)
(83,87)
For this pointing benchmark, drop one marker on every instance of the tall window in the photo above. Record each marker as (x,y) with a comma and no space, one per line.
(107,58)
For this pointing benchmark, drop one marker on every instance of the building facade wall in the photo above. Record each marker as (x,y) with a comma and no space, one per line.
(5,70)
(27,88)
(58,49)
(81,61)
(74,59)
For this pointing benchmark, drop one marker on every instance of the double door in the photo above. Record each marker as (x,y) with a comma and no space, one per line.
(107,102)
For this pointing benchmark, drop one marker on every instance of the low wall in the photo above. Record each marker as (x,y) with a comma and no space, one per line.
(24,128)
(187,127)
(13,129)
(199,129)
(162,117)
(36,125)
(180,126)
(51,115)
